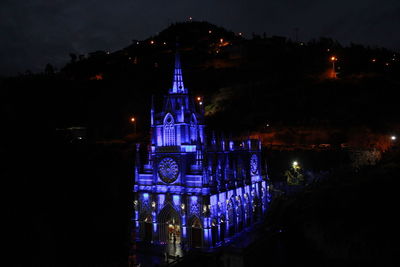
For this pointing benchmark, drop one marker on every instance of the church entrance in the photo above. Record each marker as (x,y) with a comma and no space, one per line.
(169,226)
(196,233)
(174,232)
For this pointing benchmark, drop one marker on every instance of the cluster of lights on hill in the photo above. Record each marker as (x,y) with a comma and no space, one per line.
(224,46)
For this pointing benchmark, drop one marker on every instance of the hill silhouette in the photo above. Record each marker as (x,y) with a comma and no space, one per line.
(245,83)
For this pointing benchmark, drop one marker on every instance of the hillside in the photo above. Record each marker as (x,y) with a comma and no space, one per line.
(246,83)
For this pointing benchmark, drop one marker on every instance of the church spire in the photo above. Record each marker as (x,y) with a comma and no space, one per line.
(177,86)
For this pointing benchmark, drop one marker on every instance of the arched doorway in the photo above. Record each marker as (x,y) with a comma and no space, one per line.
(169,225)
(148,229)
(196,233)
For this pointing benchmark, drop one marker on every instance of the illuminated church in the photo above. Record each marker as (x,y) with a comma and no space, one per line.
(195,189)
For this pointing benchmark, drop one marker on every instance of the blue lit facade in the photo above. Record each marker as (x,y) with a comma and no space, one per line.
(192,189)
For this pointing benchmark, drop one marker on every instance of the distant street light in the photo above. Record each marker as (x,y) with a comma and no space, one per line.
(200,100)
(333,60)
(295,164)
(393,137)
(133,120)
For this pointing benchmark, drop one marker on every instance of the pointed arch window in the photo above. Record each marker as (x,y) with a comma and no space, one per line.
(169,131)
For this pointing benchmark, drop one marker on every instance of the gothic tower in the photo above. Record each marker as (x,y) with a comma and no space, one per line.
(190,191)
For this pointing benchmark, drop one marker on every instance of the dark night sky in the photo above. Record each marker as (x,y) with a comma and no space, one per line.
(36,32)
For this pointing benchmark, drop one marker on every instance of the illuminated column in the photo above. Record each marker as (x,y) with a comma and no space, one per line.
(227,219)
(149,155)
(187,134)
(206,225)
(182,117)
(199,155)
(137,162)
(231,145)
(178,135)
(136,216)
(206,232)
(183,211)
(239,216)
(219,231)
(227,172)
(201,133)
(184,228)
(213,140)
(159,136)
(154,215)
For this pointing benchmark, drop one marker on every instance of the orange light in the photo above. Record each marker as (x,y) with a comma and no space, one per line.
(221,40)
(97,77)
(151,42)
(333,58)
(132,119)
(198,98)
